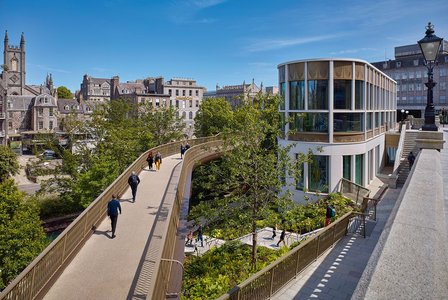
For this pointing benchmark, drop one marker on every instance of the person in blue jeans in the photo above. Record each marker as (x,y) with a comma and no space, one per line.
(200,238)
(113,206)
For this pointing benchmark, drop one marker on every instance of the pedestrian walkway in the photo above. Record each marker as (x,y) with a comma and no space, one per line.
(444,167)
(107,268)
(336,273)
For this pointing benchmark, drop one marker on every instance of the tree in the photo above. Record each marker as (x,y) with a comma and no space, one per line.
(214,116)
(64,93)
(122,131)
(21,235)
(9,165)
(256,164)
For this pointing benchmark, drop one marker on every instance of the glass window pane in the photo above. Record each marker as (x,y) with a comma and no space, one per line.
(309,122)
(342,94)
(282,95)
(359,94)
(300,183)
(318,174)
(347,167)
(297,95)
(318,94)
(348,122)
(359,165)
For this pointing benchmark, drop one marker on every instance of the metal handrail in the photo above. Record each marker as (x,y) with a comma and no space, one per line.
(274,277)
(35,279)
(158,288)
(353,190)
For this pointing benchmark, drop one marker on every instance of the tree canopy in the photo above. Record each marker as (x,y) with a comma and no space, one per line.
(64,93)
(21,235)
(213,117)
(120,132)
(9,165)
(253,165)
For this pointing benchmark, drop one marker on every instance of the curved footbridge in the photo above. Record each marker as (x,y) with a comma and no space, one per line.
(84,262)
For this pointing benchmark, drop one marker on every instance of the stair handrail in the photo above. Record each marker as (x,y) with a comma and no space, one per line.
(400,148)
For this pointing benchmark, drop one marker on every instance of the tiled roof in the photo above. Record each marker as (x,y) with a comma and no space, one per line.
(20,102)
(66,106)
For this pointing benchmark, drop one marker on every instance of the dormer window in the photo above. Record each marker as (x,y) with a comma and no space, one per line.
(45,100)
(66,107)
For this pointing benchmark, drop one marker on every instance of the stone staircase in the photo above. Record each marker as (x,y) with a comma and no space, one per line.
(409,145)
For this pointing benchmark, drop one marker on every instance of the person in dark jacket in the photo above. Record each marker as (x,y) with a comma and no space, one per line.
(182,151)
(282,238)
(113,206)
(133,182)
(150,160)
(200,237)
(411,159)
(329,213)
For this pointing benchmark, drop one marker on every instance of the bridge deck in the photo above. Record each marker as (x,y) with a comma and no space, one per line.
(106,268)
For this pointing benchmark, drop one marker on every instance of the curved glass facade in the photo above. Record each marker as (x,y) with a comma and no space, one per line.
(359,98)
(339,109)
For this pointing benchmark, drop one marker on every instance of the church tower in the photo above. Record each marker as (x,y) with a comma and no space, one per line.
(14,61)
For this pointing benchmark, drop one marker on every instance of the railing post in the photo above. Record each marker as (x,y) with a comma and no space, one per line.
(297,264)
(271,282)
(364,225)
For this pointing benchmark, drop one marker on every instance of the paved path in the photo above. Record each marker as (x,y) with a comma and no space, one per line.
(444,167)
(336,273)
(106,268)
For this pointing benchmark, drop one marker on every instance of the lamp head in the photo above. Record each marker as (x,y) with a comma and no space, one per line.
(430,44)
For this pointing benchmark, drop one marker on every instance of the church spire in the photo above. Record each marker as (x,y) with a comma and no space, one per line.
(6,38)
(22,41)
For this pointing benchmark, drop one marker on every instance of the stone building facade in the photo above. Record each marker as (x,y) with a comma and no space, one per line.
(411,74)
(27,110)
(186,96)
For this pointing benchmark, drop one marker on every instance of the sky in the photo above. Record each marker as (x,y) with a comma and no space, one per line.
(222,42)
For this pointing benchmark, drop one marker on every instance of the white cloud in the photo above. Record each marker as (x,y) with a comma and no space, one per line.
(350,51)
(50,69)
(206,3)
(272,44)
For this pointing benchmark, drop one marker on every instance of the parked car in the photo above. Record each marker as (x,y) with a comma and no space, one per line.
(48,154)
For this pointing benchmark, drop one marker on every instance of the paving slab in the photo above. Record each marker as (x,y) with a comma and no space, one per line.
(335,274)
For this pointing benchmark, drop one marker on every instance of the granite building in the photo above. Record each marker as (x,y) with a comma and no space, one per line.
(411,74)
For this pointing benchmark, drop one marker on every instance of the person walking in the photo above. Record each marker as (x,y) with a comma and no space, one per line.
(133,182)
(282,238)
(182,151)
(200,237)
(158,160)
(330,213)
(411,159)
(113,206)
(189,241)
(274,232)
(150,160)
(187,146)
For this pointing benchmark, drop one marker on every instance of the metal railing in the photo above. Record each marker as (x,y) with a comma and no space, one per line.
(274,277)
(38,277)
(367,210)
(162,270)
(353,191)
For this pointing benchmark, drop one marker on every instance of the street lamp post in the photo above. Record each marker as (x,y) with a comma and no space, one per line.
(402,115)
(429,46)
